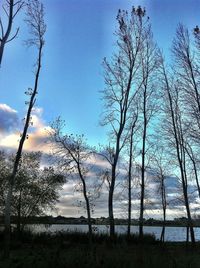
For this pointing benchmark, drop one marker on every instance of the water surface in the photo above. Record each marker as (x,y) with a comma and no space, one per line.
(171,233)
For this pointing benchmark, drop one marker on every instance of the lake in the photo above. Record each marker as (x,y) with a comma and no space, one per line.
(171,233)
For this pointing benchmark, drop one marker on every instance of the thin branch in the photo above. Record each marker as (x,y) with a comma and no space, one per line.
(14,36)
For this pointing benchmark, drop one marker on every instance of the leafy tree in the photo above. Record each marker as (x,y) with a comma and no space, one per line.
(35,190)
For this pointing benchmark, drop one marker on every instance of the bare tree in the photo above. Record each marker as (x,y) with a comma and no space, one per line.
(175,130)
(73,154)
(11,9)
(122,83)
(149,99)
(35,21)
(186,63)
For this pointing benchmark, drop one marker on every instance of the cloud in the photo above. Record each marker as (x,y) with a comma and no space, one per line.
(8,119)
(10,130)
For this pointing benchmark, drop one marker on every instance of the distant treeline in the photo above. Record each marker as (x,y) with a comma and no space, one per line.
(48,220)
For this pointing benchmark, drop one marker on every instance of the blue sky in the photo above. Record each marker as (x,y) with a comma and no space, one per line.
(79,34)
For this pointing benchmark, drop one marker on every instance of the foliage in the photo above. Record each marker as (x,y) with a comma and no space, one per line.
(36,189)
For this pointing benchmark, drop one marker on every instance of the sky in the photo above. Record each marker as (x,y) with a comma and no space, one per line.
(79,35)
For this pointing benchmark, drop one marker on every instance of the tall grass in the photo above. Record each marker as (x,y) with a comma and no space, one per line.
(66,249)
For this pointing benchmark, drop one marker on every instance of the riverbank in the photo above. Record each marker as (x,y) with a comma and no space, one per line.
(73,250)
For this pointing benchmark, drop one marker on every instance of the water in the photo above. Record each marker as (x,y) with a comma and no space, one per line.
(171,233)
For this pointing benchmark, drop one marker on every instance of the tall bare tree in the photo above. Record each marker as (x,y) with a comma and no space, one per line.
(175,130)
(149,102)
(11,9)
(186,61)
(35,21)
(122,83)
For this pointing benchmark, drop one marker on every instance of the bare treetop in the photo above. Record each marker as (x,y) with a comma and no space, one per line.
(139,11)
(35,21)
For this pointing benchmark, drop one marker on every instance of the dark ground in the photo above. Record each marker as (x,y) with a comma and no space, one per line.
(74,250)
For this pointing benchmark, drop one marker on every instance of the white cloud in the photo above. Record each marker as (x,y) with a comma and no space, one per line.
(10,130)
(7,108)
(38,136)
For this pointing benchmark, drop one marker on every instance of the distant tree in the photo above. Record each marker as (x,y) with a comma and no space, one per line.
(35,21)
(11,9)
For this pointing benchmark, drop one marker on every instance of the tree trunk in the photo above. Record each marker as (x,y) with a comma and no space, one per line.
(18,156)
(180,152)
(129,180)
(110,204)
(190,222)
(141,219)
(162,236)
(1,51)
(86,201)
(88,210)
(19,216)
(164,205)
(187,234)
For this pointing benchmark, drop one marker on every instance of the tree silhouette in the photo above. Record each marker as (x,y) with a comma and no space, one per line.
(11,9)
(35,21)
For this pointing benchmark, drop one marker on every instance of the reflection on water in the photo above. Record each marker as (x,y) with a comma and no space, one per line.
(171,233)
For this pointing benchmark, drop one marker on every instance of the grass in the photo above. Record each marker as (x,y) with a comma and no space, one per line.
(72,250)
